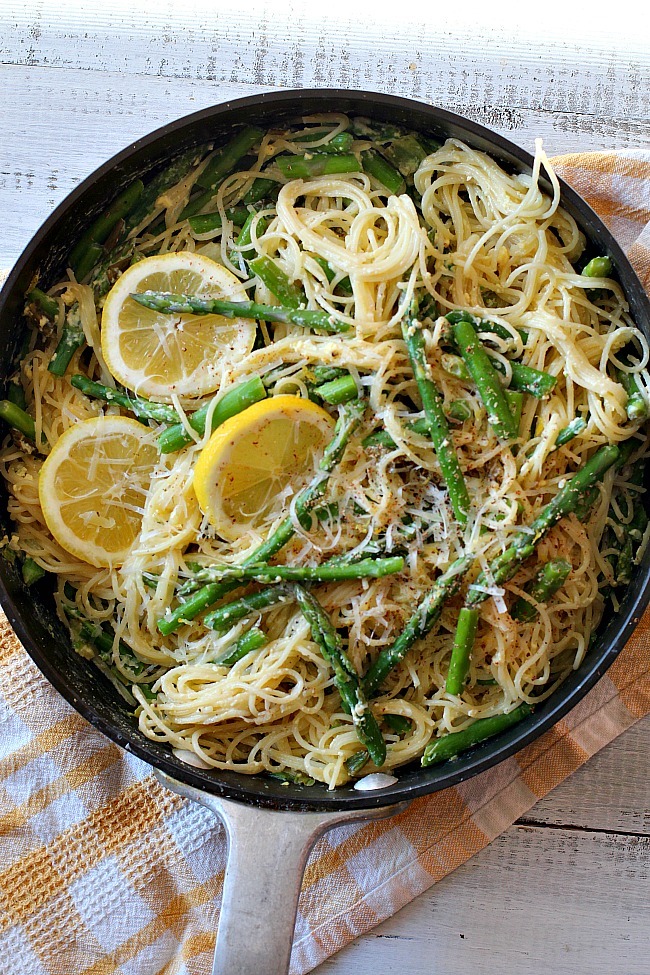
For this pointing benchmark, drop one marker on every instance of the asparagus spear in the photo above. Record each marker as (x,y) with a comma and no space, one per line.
(637,407)
(169,176)
(327,572)
(87,251)
(515,401)
(294,777)
(524,379)
(460,410)
(345,676)
(325,374)
(435,417)
(398,723)
(318,164)
(171,304)
(598,267)
(16,395)
(221,165)
(143,409)
(487,382)
(522,546)
(259,190)
(203,223)
(381,438)
(118,258)
(273,277)
(357,761)
(306,499)
(380,169)
(236,400)
(421,622)
(252,639)
(459,741)
(224,161)
(338,144)
(571,430)
(226,616)
(32,571)
(545,583)
(461,650)
(344,285)
(406,153)
(244,238)
(72,338)
(48,305)
(18,419)
(337,391)
(478,324)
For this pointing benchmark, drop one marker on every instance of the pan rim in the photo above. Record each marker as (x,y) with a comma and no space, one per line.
(482,757)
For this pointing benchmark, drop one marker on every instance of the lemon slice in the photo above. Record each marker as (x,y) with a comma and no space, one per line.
(156,354)
(256,461)
(93,485)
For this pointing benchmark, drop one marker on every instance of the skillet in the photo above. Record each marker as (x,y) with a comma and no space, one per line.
(272,826)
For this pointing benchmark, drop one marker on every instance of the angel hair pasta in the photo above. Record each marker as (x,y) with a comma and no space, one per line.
(332,442)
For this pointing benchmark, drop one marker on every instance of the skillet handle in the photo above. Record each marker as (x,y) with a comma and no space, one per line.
(267,854)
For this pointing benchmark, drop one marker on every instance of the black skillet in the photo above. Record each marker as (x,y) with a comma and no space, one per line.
(271,826)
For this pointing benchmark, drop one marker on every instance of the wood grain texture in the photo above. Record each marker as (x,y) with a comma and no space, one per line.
(90,84)
(528,905)
(566,890)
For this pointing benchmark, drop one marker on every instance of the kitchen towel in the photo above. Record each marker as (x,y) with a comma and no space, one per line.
(105,872)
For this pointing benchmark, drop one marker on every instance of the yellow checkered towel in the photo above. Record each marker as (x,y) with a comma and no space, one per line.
(104,872)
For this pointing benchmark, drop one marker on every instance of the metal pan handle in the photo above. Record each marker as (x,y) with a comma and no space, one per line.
(267,854)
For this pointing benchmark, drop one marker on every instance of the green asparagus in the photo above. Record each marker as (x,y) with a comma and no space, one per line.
(637,407)
(345,676)
(461,650)
(226,616)
(225,159)
(380,169)
(571,430)
(438,427)
(318,164)
(487,382)
(451,745)
(48,305)
(273,277)
(548,579)
(88,250)
(421,622)
(305,501)
(337,391)
(236,400)
(17,418)
(72,338)
(32,571)
(598,267)
(522,546)
(203,223)
(171,304)
(168,177)
(327,572)
(252,639)
(143,409)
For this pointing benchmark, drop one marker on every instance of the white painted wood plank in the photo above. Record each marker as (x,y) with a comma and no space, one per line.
(572,64)
(537,900)
(61,123)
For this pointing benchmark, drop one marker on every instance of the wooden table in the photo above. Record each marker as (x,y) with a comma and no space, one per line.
(565,890)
